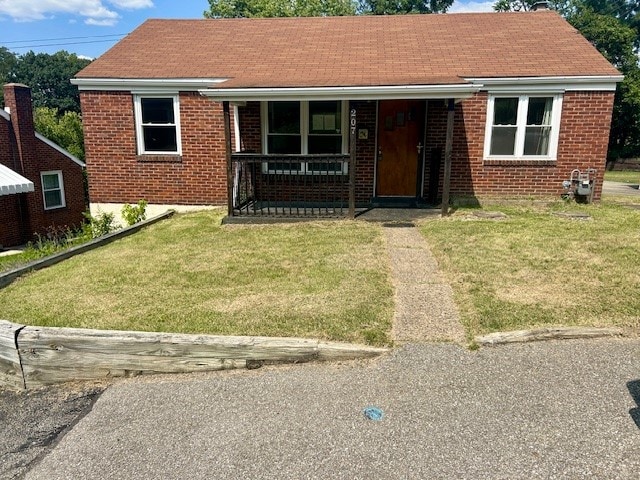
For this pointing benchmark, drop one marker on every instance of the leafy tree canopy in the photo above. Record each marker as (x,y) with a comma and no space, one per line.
(392,7)
(613,27)
(64,129)
(319,8)
(279,8)
(47,75)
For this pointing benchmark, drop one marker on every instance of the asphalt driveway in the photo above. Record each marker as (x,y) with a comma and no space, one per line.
(565,409)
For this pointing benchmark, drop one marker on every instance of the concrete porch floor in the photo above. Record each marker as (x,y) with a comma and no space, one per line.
(389,215)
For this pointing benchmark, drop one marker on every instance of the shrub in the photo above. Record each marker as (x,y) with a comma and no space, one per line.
(133,214)
(102,224)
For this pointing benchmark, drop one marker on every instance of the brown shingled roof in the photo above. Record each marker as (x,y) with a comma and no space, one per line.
(353,51)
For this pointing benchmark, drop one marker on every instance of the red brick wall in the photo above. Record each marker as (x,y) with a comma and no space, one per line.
(365,151)
(71,216)
(250,128)
(117,174)
(11,231)
(23,215)
(584,136)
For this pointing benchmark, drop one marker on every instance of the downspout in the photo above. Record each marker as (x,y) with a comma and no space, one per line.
(448,149)
(227,143)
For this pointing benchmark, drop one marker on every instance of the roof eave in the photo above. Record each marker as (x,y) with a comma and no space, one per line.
(459,91)
(605,83)
(147,85)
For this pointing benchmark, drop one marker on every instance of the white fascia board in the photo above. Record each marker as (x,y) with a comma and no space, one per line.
(145,85)
(57,147)
(4,114)
(606,83)
(464,90)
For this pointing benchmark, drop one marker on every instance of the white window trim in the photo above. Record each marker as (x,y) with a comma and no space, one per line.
(304,133)
(521,122)
(60,183)
(137,106)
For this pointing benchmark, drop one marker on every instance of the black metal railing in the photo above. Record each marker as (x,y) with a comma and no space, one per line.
(290,185)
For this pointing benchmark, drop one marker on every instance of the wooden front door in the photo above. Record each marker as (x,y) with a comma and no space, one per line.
(400,131)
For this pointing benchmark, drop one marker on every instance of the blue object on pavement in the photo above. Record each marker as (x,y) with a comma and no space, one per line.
(373,413)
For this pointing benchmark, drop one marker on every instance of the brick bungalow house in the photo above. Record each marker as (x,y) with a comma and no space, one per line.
(41,184)
(303,116)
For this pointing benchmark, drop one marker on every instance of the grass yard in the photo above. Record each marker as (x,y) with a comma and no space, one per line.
(188,274)
(537,269)
(11,261)
(623,176)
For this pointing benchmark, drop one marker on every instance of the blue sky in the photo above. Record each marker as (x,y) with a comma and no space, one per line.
(90,27)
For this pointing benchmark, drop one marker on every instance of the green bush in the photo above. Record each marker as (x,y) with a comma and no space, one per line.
(133,214)
(102,224)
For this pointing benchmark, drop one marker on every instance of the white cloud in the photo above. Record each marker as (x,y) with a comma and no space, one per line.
(102,22)
(95,12)
(470,7)
(132,4)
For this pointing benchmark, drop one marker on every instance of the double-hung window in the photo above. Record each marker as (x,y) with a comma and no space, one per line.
(52,189)
(522,127)
(304,128)
(158,124)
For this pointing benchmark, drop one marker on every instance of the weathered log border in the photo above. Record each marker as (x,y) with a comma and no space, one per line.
(555,333)
(8,277)
(37,356)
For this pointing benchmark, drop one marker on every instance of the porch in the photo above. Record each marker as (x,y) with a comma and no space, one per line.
(312,163)
(291,186)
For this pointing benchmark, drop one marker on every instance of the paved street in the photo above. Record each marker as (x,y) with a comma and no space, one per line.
(567,409)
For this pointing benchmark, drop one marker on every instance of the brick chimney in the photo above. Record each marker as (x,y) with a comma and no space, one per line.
(17,100)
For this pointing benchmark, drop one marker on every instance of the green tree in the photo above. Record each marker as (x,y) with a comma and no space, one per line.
(7,65)
(64,129)
(392,7)
(612,26)
(279,8)
(49,78)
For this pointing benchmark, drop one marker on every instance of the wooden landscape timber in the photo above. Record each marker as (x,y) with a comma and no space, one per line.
(555,333)
(49,355)
(10,371)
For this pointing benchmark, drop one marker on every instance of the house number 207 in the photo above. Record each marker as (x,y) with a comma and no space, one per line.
(353,121)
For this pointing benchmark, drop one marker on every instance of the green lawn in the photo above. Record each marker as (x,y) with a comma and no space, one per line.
(11,261)
(188,274)
(623,176)
(537,269)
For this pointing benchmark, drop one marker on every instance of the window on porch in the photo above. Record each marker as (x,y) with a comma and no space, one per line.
(305,128)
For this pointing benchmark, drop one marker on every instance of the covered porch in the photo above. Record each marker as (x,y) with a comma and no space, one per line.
(332,152)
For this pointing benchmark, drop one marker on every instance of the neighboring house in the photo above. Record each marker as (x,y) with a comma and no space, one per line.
(41,184)
(530,100)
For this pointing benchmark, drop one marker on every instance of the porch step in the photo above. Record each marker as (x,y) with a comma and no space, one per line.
(399,202)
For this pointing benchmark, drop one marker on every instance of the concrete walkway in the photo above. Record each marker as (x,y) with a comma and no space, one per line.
(619,188)
(425,310)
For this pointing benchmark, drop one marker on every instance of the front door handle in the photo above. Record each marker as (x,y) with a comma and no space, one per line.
(420,147)
(379,154)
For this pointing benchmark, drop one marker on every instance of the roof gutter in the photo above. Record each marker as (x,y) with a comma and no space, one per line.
(146,85)
(391,92)
(605,83)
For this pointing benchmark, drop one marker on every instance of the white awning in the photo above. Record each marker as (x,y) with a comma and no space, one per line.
(12,182)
